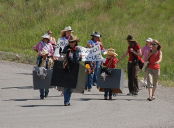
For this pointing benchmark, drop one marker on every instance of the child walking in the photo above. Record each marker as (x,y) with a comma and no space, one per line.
(110,63)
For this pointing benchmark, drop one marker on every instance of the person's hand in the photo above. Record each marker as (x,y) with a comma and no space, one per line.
(131,49)
(55,58)
(44,56)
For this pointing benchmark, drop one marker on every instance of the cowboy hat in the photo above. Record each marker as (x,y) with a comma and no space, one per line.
(46,36)
(96,34)
(68,28)
(49,32)
(111,52)
(74,39)
(149,40)
(129,38)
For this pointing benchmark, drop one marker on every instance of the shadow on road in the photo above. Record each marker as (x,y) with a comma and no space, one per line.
(20,99)
(25,73)
(87,99)
(114,99)
(22,87)
(42,106)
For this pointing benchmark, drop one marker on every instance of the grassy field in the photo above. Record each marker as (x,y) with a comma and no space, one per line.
(22,22)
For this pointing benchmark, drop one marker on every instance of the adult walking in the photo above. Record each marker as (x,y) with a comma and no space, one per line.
(145,52)
(95,40)
(45,51)
(66,35)
(153,69)
(134,53)
(72,58)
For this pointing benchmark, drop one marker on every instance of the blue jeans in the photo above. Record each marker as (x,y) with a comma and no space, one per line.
(44,92)
(96,71)
(89,81)
(67,95)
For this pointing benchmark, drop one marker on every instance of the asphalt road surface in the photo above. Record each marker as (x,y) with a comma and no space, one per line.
(20,106)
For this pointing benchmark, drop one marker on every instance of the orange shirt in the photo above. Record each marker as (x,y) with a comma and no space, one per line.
(153,59)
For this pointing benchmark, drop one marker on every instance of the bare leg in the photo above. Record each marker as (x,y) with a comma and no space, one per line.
(150,92)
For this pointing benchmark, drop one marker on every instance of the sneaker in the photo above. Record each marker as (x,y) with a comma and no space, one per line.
(42,97)
(67,104)
(135,93)
(95,84)
(89,90)
(153,98)
(129,94)
(149,99)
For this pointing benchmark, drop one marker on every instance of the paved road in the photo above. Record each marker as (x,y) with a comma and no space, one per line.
(20,106)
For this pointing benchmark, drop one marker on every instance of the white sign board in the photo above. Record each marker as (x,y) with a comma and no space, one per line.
(91,54)
(61,44)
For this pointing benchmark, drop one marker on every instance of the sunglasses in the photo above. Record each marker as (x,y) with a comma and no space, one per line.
(154,44)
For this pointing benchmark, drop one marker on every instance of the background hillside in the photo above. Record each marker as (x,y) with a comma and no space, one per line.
(22,22)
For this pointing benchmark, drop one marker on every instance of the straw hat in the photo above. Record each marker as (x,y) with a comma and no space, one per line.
(49,32)
(111,52)
(74,39)
(68,28)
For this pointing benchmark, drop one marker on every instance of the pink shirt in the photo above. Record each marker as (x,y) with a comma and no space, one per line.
(44,46)
(145,52)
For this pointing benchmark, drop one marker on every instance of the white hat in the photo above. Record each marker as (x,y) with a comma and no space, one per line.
(149,40)
(96,34)
(46,36)
(67,28)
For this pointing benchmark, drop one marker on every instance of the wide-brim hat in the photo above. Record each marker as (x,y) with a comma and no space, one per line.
(111,50)
(50,32)
(68,28)
(130,38)
(111,53)
(149,40)
(46,36)
(74,39)
(96,34)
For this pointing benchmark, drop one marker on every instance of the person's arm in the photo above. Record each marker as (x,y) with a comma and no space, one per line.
(160,58)
(89,45)
(138,53)
(36,47)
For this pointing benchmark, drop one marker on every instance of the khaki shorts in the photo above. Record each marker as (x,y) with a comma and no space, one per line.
(152,77)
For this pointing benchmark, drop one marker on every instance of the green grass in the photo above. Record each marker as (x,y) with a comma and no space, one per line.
(22,22)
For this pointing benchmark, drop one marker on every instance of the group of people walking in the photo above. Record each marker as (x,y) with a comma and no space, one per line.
(150,56)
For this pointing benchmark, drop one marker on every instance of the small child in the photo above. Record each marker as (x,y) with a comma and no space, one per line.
(45,52)
(90,66)
(110,63)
